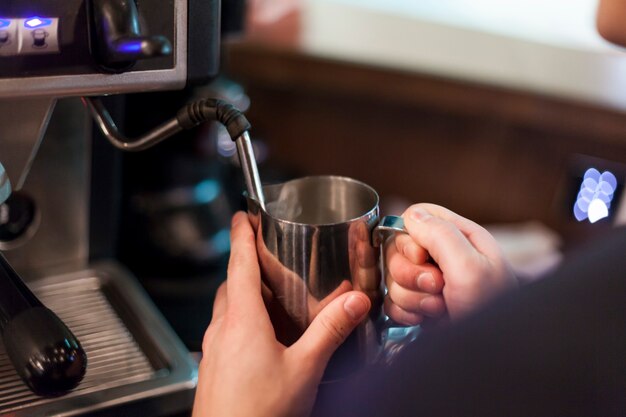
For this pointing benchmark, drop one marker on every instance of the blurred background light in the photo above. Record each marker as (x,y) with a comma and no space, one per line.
(596,193)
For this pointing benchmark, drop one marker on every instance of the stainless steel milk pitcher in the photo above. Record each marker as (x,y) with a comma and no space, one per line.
(317,238)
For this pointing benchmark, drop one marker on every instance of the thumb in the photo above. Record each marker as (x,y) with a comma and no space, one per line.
(331,327)
(441,238)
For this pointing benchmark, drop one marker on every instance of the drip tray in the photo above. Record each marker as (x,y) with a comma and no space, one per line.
(135,361)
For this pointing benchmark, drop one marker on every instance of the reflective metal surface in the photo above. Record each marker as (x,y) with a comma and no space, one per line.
(5,185)
(250,169)
(22,125)
(58,182)
(315,242)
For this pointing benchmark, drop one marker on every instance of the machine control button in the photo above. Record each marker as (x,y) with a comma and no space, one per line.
(38,35)
(9,44)
(39,38)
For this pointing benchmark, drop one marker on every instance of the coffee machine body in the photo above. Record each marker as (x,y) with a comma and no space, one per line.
(51,53)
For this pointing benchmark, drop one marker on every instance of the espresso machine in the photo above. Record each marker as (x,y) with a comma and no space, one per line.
(56,58)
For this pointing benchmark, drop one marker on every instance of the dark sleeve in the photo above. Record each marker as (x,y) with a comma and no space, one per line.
(555,348)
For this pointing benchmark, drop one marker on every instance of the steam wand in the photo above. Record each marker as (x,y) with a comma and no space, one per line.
(190,116)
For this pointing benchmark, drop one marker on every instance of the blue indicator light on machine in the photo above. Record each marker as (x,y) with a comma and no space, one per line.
(129,46)
(4,23)
(37,22)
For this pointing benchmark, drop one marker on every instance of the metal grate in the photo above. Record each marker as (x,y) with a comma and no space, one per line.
(114,357)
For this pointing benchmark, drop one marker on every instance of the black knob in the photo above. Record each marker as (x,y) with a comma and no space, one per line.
(44,352)
(39,38)
(17,217)
(115,36)
(4,36)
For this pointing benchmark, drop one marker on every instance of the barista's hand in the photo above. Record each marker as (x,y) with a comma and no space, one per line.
(468,270)
(244,370)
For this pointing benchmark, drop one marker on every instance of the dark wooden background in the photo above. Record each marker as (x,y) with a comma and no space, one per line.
(491,154)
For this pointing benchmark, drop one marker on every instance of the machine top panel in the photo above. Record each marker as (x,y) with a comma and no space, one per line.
(48,47)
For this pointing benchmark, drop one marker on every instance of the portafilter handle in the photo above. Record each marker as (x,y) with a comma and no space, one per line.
(44,352)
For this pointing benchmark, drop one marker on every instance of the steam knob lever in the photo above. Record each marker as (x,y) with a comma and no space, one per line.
(115,36)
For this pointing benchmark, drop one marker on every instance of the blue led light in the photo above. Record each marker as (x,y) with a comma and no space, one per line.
(595,196)
(129,46)
(37,22)
(206,191)
(221,241)
(4,23)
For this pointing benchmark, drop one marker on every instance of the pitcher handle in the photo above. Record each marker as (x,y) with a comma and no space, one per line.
(394,336)
(387,227)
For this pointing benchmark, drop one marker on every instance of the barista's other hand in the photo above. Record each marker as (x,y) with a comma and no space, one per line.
(244,370)
(468,270)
